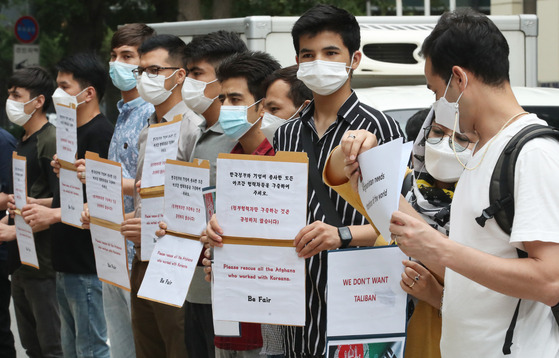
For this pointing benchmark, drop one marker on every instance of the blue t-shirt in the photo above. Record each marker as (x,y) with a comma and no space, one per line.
(133,116)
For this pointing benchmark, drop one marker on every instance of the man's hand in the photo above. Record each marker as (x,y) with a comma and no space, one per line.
(39,217)
(315,238)
(131,229)
(80,166)
(55,165)
(85,218)
(207,262)
(353,144)
(7,232)
(415,238)
(213,233)
(162,229)
(11,205)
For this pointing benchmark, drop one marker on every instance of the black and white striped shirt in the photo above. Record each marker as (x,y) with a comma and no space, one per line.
(311,339)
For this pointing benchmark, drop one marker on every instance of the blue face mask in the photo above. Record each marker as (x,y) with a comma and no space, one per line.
(122,76)
(233,120)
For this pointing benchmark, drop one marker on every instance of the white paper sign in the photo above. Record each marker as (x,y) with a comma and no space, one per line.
(110,256)
(227,328)
(174,259)
(152,214)
(26,243)
(170,270)
(104,190)
(71,197)
(364,295)
(264,199)
(19,171)
(261,284)
(24,232)
(66,131)
(184,203)
(105,203)
(382,170)
(161,144)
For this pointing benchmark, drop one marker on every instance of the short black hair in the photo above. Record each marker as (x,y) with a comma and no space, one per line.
(468,39)
(414,124)
(254,67)
(36,80)
(214,47)
(298,92)
(86,68)
(170,43)
(328,18)
(131,35)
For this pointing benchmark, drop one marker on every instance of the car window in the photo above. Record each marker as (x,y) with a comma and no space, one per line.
(550,114)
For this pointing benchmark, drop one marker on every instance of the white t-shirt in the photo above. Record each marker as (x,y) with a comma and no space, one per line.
(475,318)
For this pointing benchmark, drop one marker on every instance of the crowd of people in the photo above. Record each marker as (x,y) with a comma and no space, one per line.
(464,280)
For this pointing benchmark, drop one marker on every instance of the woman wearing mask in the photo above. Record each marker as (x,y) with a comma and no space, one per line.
(436,171)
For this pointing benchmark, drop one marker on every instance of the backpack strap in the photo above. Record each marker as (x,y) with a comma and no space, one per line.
(501,186)
(501,199)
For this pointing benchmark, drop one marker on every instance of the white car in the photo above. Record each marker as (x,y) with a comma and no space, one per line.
(401,102)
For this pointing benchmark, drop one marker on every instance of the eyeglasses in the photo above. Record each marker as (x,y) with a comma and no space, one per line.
(151,71)
(434,135)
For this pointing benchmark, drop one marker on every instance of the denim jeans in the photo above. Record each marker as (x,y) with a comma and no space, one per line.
(83,327)
(37,315)
(116,304)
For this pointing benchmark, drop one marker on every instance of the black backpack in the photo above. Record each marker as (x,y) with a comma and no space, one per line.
(501,198)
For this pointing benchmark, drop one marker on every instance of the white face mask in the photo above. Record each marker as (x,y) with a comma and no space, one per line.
(271,123)
(324,77)
(62,97)
(16,111)
(153,90)
(193,95)
(441,162)
(447,113)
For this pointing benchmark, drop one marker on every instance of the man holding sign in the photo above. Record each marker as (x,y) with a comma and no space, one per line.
(81,78)
(158,329)
(327,40)
(34,291)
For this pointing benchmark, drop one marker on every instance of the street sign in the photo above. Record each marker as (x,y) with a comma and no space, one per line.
(26,29)
(25,56)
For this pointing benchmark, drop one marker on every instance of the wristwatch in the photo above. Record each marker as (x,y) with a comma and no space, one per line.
(345,236)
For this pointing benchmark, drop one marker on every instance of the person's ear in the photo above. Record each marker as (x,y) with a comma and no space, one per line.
(90,94)
(297,59)
(181,75)
(460,75)
(357,55)
(263,105)
(40,101)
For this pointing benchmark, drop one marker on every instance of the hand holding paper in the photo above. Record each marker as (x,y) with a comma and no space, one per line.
(382,170)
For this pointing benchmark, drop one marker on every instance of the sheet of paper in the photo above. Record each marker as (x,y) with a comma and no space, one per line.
(71,197)
(66,131)
(261,205)
(111,261)
(262,284)
(382,175)
(184,202)
(364,295)
(162,144)
(26,243)
(227,328)
(170,270)
(258,198)
(19,171)
(209,201)
(391,347)
(104,189)
(152,214)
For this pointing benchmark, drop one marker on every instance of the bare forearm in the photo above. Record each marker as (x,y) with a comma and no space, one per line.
(128,187)
(363,235)
(44,202)
(4,198)
(534,278)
